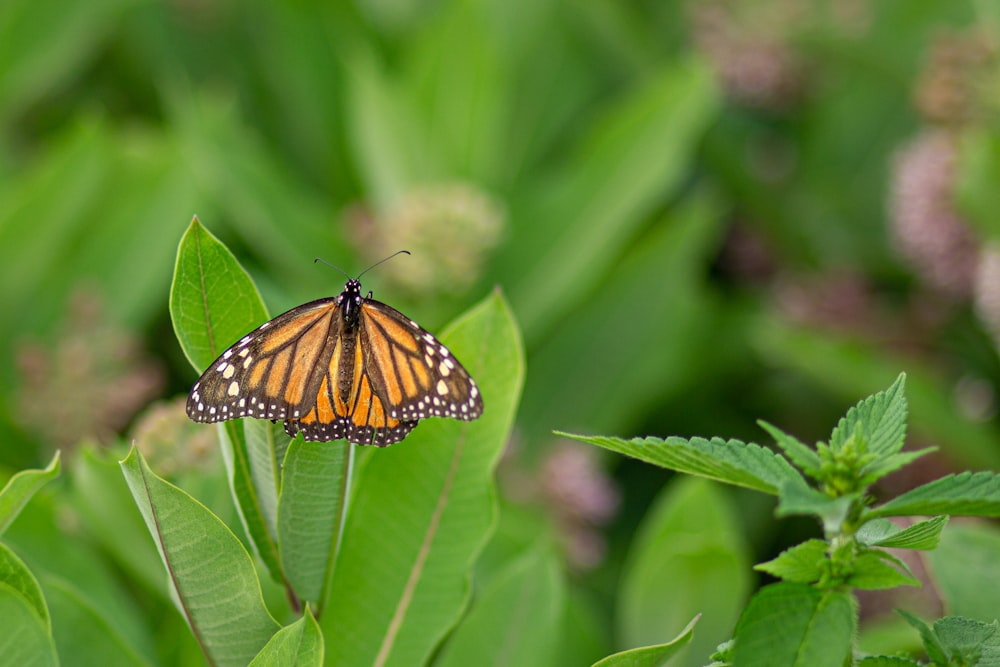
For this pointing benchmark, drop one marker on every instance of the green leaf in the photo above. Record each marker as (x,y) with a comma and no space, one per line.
(16,576)
(88,633)
(965,558)
(609,190)
(882,419)
(923,535)
(887,661)
(299,644)
(801,564)
(19,489)
(970,642)
(515,619)
(802,455)
(871,572)
(311,509)
(932,643)
(729,461)
(211,573)
(796,498)
(880,467)
(102,498)
(25,641)
(422,510)
(651,656)
(213,302)
(687,558)
(788,625)
(967,493)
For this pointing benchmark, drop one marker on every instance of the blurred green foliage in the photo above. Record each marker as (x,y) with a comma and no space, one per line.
(698,211)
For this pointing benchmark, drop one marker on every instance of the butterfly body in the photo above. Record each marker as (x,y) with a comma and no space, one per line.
(344,367)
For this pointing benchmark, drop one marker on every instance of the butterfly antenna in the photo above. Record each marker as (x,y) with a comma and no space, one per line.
(381,261)
(332,266)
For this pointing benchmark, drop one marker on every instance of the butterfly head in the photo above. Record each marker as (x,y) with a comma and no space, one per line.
(350,299)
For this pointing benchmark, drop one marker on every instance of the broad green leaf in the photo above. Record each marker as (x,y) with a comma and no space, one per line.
(314,486)
(213,302)
(801,564)
(25,641)
(102,498)
(965,558)
(730,461)
(650,656)
(297,645)
(795,625)
(882,418)
(211,573)
(19,489)
(16,576)
(800,454)
(967,493)
(609,190)
(887,661)
(85,635)
(687,558)
(422,510)
(262,439)
(872,572)
(515,619)
(679,329)
(923,535)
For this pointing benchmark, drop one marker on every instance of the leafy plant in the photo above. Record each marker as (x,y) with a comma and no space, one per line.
(809,617)
(373,549)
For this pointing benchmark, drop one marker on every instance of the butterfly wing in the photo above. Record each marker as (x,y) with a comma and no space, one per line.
(411,372)
(275,371)
(368,380)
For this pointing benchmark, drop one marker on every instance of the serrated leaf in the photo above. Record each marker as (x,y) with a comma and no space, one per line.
(800,454)
(18,578)
(795,625)
(932,643)
(730,461)
(882,466)
(651,656)
(211,573)
(923,535)
(422,510)
(871,572)
(311,509)
(797,498)
(882,419)
(516,618)
(801,564)
(25,641)
(19,489)
(297,645)
(970,642)
(213,302)
(967,493)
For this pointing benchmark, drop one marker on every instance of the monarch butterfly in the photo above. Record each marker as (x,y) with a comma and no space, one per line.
(340,367)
